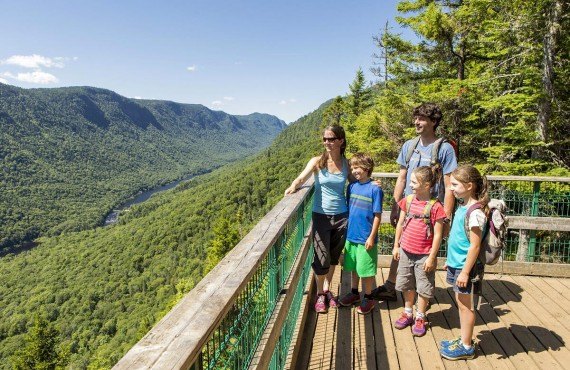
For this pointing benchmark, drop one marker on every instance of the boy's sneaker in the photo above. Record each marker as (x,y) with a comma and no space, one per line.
(332,301)
(349,299)
(419,328)
(384,294)
(456,351)
(321,304)
(449,342)
(404,321)
(366,306)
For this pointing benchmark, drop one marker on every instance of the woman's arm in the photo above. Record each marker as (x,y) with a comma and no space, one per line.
(303,176)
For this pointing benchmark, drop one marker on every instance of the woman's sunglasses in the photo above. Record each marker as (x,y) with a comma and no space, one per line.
(329,139)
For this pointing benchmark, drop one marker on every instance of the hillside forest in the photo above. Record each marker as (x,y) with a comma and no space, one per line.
(497,68)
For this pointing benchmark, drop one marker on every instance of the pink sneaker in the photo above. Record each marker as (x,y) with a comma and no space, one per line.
(321,304)
(332,301)
(419,328)
(349,299)
(404,321)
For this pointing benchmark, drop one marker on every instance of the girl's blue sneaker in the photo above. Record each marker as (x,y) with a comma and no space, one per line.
(447,343)
(456,351)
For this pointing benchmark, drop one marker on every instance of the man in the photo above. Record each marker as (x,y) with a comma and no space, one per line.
(415,153)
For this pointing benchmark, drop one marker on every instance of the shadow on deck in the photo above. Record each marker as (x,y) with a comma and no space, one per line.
(522,323)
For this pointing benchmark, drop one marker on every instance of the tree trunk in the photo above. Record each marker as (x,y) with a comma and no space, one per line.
(549,49)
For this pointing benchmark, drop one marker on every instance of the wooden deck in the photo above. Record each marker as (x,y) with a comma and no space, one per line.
(523,322)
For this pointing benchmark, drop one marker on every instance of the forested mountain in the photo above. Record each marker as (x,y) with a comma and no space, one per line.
(69,155)
(96,292)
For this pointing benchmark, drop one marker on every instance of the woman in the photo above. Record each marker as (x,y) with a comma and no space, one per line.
(330,212)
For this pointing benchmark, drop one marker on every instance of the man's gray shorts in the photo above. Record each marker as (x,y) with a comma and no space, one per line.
(411,274)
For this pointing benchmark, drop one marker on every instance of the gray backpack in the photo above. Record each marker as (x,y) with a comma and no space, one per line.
(494,236)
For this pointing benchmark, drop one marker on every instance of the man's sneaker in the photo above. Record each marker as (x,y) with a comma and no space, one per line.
(321,304)
(366,306)
(332,301)
(349,299)
(384,294)
(449,342)
(419,328)
(456,351)
(404,321)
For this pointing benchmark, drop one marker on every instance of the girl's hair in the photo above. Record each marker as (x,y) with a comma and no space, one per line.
(426,174)
(339,134)
(466,174)
(363,161)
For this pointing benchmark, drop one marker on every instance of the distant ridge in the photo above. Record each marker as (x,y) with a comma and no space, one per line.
(70,154)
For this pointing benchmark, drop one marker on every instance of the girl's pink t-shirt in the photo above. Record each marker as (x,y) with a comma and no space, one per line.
(414,238)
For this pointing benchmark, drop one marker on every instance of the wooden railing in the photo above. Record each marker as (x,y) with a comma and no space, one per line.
(196,332)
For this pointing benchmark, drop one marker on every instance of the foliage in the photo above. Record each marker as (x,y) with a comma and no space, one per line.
(70,155)
(104,288)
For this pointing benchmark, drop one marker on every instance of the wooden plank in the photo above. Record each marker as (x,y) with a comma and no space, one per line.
(551,333)
(558,285)
(519,315)
(539,223)
(345,326)
(557,307)
(385,347)
(405,345)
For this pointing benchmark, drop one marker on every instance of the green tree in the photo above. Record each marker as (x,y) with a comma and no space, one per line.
(226,236)
(334,113)
(40,351)
(360,97)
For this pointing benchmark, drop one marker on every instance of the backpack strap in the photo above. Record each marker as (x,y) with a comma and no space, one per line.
(409,216)
(411,149)
(467,216)
(435,150)
(426,214)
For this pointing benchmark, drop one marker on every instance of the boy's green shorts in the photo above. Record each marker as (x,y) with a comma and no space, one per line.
(357,258)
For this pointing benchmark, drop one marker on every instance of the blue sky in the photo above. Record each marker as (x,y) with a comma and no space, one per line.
(279,57)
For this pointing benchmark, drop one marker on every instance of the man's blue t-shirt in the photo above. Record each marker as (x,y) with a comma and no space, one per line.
(364,200)
(422,157)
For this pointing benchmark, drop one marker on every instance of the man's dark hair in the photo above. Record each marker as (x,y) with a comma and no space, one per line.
(429,110)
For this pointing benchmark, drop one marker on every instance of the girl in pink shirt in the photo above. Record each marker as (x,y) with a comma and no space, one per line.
(418,237)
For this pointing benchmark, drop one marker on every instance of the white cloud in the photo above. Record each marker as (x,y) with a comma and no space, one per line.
(137,97)
(35,61)
(288,101)
(37,77)
(283,102)
(3,81)
(229,98)
(292,100)
(216,103)
(191,68)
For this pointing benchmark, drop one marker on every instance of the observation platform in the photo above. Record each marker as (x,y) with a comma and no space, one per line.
(522,323)
(263,290)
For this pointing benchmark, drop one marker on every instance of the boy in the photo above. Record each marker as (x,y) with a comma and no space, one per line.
(361,250)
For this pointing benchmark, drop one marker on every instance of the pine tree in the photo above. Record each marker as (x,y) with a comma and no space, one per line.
(360,96)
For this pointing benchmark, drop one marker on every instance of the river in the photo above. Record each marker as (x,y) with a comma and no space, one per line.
(113,216)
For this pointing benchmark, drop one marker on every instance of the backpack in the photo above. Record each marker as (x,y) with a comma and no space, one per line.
(425,216)
(494,236)
(434,162)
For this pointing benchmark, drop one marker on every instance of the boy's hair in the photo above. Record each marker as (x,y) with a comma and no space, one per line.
(466,174)
(426,174)
(363,161)
(429,110)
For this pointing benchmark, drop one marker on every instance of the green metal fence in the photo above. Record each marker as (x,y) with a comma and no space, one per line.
(233,342)
(524,196)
